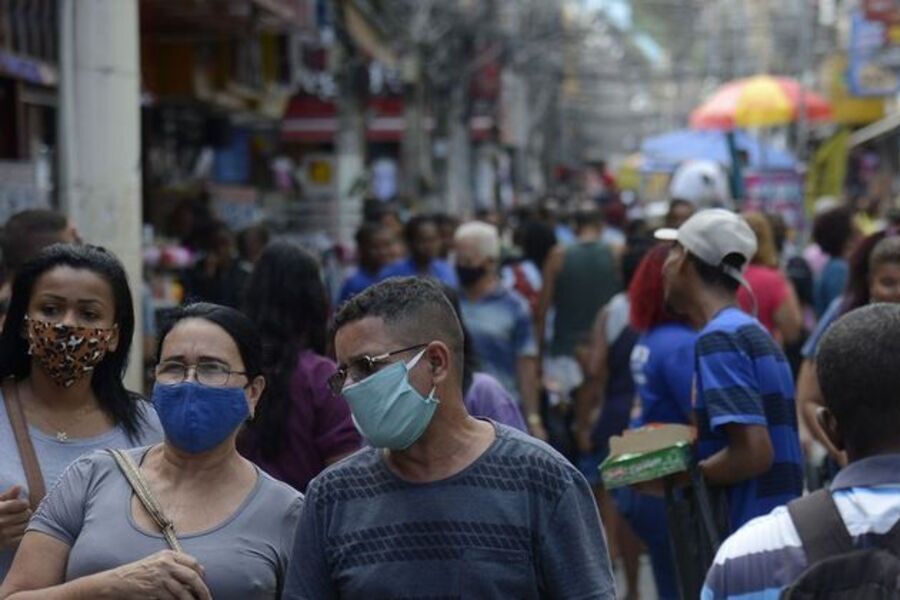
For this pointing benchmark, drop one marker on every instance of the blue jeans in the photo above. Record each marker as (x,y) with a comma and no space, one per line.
(647,517)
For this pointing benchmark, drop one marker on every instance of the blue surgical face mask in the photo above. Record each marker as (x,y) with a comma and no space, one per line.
(197,418)
(387,409)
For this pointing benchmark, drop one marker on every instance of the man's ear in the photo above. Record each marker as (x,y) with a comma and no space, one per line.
(438,356)
(831,428)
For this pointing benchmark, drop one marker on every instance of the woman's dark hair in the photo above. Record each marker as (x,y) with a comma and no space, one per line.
(106,380)
(856,294)
(288,303)
(470,359)
(537,239)
(833,230)
(237,325)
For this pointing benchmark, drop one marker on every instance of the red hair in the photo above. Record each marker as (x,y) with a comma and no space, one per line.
(646,294)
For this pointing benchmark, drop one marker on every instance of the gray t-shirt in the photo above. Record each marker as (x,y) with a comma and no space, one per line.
(520,522)
(54,456)
(244,557)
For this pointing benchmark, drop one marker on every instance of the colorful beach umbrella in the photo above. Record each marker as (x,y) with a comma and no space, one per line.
(760,101)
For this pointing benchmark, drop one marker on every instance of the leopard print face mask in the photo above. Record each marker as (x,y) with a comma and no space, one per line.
(65,352)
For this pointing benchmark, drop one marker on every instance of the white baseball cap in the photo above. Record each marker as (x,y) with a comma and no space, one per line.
(703,183)
(713,234)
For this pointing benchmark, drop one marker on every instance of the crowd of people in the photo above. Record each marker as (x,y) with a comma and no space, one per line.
(435,427)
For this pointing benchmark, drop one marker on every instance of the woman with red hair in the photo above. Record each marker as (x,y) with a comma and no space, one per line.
(662,367)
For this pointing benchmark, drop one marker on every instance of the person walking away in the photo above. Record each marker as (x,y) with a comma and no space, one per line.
(861,509)
(62,357)
(665,345)
(301,427)
(771,295)
(442,504)
(373,244)
(747,441)
(424,242)
(578,281)
(609,412)
(525,277)
(498,320)
(835,234)
(231,525)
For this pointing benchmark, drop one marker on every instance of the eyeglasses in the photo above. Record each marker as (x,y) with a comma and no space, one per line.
(208,372)
(361,367)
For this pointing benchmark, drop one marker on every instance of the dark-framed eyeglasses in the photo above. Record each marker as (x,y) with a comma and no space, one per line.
(361,367)
(207,372)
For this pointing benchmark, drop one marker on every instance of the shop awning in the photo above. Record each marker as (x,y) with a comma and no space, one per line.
(875,130)
(309,119)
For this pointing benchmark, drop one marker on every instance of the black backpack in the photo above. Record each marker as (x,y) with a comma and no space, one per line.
(837,570)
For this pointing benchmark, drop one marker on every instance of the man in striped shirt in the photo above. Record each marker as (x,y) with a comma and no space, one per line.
(747,440)
(858,374)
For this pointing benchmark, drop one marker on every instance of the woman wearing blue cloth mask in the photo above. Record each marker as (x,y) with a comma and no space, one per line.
(234,522)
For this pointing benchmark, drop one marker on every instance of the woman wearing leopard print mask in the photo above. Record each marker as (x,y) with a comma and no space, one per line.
(63,351)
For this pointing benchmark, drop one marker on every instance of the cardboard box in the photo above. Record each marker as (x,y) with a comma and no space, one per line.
(647,453)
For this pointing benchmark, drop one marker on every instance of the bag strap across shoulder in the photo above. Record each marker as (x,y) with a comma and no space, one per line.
(148,500)
(820,526)
(30,464)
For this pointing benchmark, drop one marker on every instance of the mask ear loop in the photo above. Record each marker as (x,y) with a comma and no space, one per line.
(411,365)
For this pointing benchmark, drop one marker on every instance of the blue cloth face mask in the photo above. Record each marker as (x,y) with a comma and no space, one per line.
(387,409)
(197,418)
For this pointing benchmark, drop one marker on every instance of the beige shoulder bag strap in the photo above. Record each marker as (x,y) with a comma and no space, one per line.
(30,464)
(139,485)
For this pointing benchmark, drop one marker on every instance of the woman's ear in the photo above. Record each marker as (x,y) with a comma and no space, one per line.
(254,392)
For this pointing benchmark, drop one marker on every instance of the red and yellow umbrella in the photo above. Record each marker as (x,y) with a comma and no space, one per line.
(760,101)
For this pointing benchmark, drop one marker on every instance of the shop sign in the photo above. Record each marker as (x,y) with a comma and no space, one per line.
(874,57)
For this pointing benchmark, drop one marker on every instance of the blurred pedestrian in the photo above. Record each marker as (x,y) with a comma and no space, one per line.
(251,241)
(219,276)
(93,536)
(602,415)
(771,295)
(62,359)
(835,234)
(874,277)
(442,504)
(498,319)
(744,393)
(373,250)
(578,280)
(301,427)
(828,552)
(663,384)
(525,276)
(483,395)
(447,225)
(24,235)
(424,243)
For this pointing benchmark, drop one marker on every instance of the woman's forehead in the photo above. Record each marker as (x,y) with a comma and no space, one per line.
(192,338)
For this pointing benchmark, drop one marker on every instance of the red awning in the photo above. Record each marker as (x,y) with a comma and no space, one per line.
(309,119)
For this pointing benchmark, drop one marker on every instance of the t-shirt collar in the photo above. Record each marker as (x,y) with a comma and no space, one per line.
(882,469)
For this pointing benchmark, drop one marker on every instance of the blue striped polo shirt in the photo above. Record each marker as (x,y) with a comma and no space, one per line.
(743,377)
(766,555)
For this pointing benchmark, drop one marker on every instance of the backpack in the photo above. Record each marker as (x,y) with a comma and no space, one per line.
(837,570)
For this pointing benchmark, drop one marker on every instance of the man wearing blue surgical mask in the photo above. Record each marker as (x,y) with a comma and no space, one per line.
(441,504)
